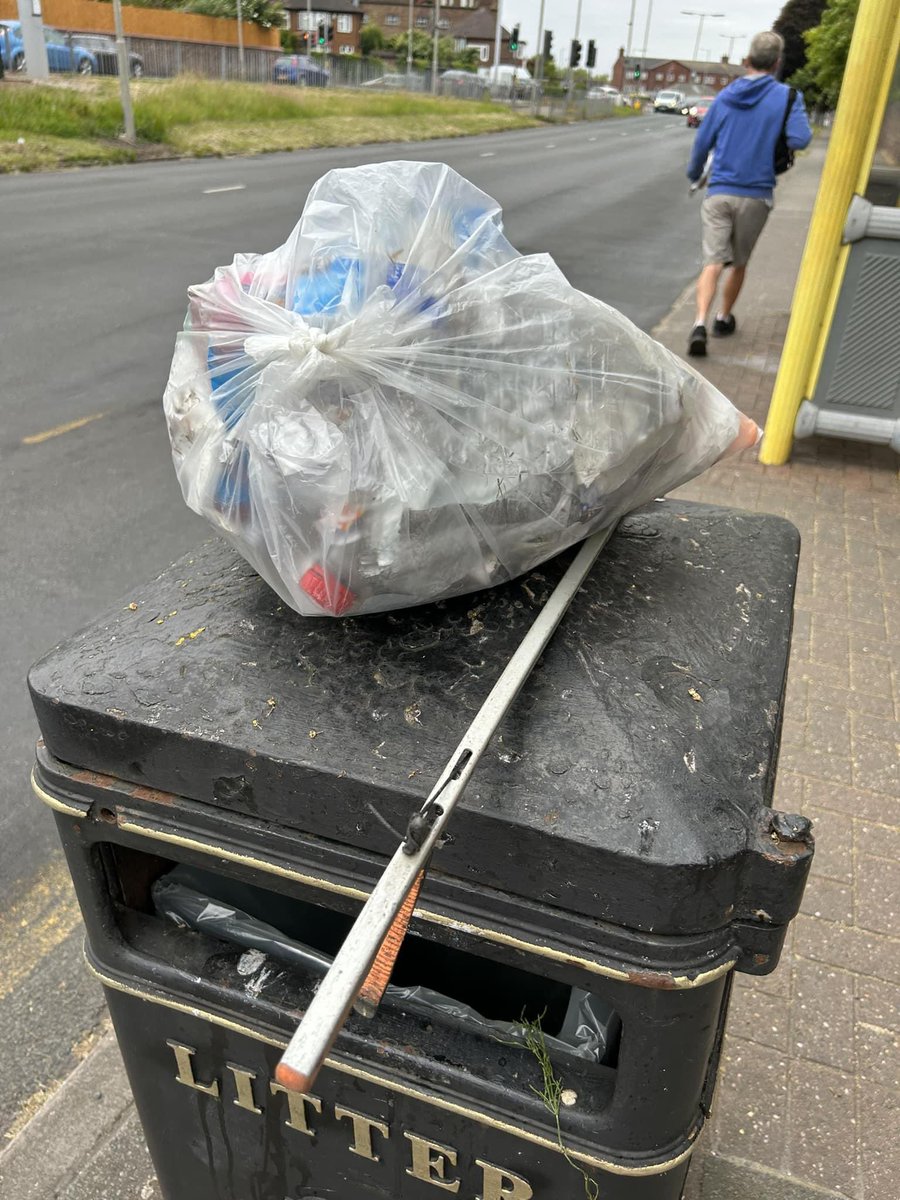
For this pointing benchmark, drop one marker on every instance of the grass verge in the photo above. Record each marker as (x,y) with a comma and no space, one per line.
(64,123)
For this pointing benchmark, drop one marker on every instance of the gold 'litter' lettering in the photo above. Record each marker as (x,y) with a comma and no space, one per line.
(362,1132)
(185,1073)
(297,1102)
(243,1083)
(431,1169)
(494,1180)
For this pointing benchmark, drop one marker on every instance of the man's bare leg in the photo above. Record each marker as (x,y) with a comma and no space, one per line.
(706,290)
(734,281)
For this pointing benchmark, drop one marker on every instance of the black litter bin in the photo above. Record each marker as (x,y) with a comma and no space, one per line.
(229,779)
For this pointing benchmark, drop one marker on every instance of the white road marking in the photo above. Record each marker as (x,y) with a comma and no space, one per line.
(550,146)
(235,187)
(592,139)
(488,154)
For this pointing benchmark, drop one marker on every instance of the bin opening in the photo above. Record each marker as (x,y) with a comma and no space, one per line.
(435,981)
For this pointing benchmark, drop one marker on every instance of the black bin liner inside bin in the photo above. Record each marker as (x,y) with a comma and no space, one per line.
(573,1021)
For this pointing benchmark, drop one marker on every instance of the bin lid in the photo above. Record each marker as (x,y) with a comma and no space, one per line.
(629,782)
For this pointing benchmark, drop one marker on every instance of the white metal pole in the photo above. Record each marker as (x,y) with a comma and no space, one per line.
(309,31)
(434,50)
(570,76)
(409,37)
(696,53)
(124,72)
(539,59)
(630,29)
(240,33)
(647,31)
(497,31)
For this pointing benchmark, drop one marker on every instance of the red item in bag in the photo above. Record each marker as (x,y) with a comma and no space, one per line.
(321,586)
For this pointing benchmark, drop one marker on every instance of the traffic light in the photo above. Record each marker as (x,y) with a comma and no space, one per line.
(575,54)
(330,33)
(636,71)
(321,34)
(514,40)
(591,54)
(548,43)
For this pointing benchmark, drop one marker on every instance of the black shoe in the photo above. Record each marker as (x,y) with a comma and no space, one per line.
(697,342)
(722,326)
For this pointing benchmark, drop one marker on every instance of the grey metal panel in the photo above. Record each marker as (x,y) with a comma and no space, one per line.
(860,373)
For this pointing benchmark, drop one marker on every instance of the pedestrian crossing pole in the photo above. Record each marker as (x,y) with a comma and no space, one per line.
(124,72)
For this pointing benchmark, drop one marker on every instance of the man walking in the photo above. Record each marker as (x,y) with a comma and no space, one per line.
(741,130)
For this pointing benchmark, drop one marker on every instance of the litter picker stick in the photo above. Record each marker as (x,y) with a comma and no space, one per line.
(331,1004)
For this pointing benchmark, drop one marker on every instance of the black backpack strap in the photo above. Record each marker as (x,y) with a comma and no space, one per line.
(792,96)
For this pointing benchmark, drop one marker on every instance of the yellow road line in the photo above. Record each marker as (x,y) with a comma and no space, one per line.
(34,438)
(36,924)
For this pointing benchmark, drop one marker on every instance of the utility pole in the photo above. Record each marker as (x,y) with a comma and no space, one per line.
(309,28)
(630,29)
(647,30)
(124,72)
(497,31)
(409,56)
(539,62)
(434,51)
(570,89)
(240,33)
(539,50)
(690,12)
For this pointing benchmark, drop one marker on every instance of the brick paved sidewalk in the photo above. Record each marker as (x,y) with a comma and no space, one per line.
(810,1087)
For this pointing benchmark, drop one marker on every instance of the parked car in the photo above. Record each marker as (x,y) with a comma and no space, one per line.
(63,52)
(463,83)
(698,110)
(300,70)
(607,93)
(669,102)
(104,51)
(392,82)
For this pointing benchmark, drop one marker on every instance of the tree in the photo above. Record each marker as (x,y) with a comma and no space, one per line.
(370,39)
(793,21)
(423,48)
(827,47)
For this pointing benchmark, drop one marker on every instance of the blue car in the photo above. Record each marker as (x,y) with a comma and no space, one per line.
(60,55)
(300,70)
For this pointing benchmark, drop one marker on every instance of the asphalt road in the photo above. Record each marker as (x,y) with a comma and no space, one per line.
(94,265)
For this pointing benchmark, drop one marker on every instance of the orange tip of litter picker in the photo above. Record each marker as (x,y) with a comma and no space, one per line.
(293,1080)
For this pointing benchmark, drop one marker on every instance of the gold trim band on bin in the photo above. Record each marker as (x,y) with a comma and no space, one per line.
(634,976)
(413,1093)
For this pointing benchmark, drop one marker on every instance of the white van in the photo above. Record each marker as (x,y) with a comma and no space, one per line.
(673,102)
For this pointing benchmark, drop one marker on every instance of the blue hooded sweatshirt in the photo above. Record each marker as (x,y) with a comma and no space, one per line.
(741,129)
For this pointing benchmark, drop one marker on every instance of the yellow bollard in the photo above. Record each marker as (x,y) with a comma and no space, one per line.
(861,104)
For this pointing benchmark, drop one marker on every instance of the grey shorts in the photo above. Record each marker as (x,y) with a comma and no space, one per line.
(731,226)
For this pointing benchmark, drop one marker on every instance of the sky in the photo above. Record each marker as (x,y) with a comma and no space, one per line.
(671,34)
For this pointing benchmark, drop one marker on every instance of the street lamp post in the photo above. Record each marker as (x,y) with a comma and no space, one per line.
(409,35)
(630,29)
(434,50)
(497,31)
(240,33)
(539,60)
(570,80)
(691,12)
(124,71)
(647,31)
(731,38)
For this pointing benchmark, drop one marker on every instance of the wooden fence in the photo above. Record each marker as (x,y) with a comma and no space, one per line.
(94,16)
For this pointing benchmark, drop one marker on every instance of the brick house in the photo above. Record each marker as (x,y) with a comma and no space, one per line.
(469,22)
(344,16)
(658,74)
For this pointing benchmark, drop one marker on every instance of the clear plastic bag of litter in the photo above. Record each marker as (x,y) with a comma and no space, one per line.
(590,1026)
(395,406)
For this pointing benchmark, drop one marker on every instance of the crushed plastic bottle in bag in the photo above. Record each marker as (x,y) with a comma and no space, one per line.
(395,406)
